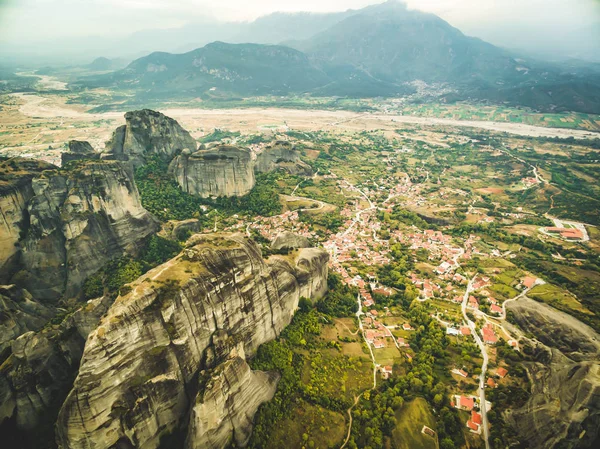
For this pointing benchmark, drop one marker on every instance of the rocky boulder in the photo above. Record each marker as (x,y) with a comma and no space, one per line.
(289,240)
(223,170)
(147,132)
(180,230)
(179,319)
(78,151)
(284,156)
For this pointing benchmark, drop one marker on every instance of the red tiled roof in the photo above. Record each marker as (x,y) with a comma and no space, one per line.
(471,425)
(572,233)
(502,372)
(466,402)
(475,417)
(379,343)
(529,281)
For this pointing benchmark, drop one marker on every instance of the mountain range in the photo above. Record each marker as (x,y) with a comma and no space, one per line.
(377,51)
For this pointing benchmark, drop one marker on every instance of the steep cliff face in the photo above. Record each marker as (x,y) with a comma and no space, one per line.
(15,192)
(564,407)
(145,357)
(228,403)
(282,156)
(147,132)
(220,171)
(38,374)
(77,221)
(19,313)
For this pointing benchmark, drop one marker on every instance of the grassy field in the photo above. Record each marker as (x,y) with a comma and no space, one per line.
(310,426)
(450,311)
(330,374)
(503,283)
(558,297)
(410,420)
(387,355)
(495,263)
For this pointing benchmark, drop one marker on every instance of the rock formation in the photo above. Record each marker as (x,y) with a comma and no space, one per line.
(181,230)
(282,156)
(60,226)
(228,404)
(38,374)
(147,355)
(15,192)
(78,151)
(564,406)
(19,313)
(289,240)
(147,132)
(219,171)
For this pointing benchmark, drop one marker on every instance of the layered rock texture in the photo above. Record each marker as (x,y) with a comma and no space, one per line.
(15,192)
(219,171)
(60,226)
(145,133)
(228,404)
(282,156)
(143,374)
(38,374)
(78,151)
(564,407)
(19,313)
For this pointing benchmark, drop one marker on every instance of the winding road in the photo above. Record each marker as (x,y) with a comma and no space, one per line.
(471,324)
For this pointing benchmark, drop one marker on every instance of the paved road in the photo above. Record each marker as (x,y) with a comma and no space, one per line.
(321,204)
(359,312)
(484,353)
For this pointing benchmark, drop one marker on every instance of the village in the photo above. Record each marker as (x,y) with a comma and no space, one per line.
(448,286)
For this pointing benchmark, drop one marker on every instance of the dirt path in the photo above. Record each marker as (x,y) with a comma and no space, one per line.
(349,411)
(349,330)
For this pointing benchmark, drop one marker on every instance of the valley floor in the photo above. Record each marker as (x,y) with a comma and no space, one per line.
(39,125)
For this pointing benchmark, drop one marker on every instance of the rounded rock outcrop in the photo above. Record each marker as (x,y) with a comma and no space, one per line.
(223,170)
(289,240)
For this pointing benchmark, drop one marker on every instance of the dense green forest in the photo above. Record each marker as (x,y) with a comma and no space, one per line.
(165,200)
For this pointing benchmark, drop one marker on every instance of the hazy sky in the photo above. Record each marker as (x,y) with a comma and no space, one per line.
(500,21)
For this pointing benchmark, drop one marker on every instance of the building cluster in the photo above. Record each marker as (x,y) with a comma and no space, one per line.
(472,405)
